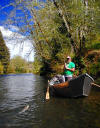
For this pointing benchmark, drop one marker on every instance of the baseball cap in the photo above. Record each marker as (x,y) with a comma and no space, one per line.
(68,57)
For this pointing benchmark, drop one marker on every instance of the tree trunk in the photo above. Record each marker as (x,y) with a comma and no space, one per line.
(73,43)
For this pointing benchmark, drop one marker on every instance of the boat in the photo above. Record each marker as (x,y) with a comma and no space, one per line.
(76,87)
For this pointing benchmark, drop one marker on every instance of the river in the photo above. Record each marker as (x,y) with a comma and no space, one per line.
(23,105)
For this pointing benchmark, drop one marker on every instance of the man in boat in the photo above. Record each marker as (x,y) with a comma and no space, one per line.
(69,68)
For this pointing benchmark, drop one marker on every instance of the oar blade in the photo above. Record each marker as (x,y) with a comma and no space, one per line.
(47,94)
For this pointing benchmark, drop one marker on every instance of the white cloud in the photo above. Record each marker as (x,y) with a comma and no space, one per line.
(13,28)
(17,43)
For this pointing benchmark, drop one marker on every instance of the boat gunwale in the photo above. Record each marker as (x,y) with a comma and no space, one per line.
(89,76)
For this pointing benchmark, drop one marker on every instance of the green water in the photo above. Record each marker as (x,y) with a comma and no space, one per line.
(18,91)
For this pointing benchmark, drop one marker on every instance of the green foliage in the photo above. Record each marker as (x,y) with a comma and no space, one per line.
(80,64)
(1,68)
(11,68)
(19,65)
(4,54)
(95,46)
(61,27)
(93,63)
(52,43)
(94,69)
(36,66)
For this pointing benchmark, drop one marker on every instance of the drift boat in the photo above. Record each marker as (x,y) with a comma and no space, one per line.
(77,87)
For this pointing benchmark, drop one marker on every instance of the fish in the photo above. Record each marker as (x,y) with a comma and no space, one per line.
(24,109)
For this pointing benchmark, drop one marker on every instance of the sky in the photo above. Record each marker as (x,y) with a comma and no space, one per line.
(16,45)
(11,33)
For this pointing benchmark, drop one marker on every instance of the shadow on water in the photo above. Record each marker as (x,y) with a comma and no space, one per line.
(19,91)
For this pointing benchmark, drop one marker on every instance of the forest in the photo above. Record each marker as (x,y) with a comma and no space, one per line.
(59,28)
(15,65)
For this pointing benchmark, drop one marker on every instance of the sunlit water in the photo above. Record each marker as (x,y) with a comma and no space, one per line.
(19,91)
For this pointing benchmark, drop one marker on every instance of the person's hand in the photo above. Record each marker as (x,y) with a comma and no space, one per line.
(66,66)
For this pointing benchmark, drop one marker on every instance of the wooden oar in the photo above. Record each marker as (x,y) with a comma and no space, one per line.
(47,93)
(95,85)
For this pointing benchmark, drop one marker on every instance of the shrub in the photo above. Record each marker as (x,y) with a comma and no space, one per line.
(1,68)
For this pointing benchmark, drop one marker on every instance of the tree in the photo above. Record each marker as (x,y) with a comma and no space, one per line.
(18,64)
(61,27)
(1,68)
(79,19)
(4,54)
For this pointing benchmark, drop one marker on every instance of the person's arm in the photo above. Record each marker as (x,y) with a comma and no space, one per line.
(72,69)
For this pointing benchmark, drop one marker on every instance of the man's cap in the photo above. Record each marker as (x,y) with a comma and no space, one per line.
(68,57)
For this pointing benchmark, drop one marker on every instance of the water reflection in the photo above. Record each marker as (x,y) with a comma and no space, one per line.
(18,91)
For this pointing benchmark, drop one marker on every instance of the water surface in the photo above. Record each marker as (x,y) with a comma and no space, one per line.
(18,91)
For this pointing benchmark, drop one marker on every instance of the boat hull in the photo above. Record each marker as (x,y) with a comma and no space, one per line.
(77,87)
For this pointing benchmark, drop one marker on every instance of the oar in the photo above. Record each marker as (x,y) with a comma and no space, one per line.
(95,85)
(47,94)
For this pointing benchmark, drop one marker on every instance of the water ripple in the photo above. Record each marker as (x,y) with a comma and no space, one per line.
(22,90)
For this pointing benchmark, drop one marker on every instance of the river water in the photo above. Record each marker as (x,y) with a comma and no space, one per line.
(23,105)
